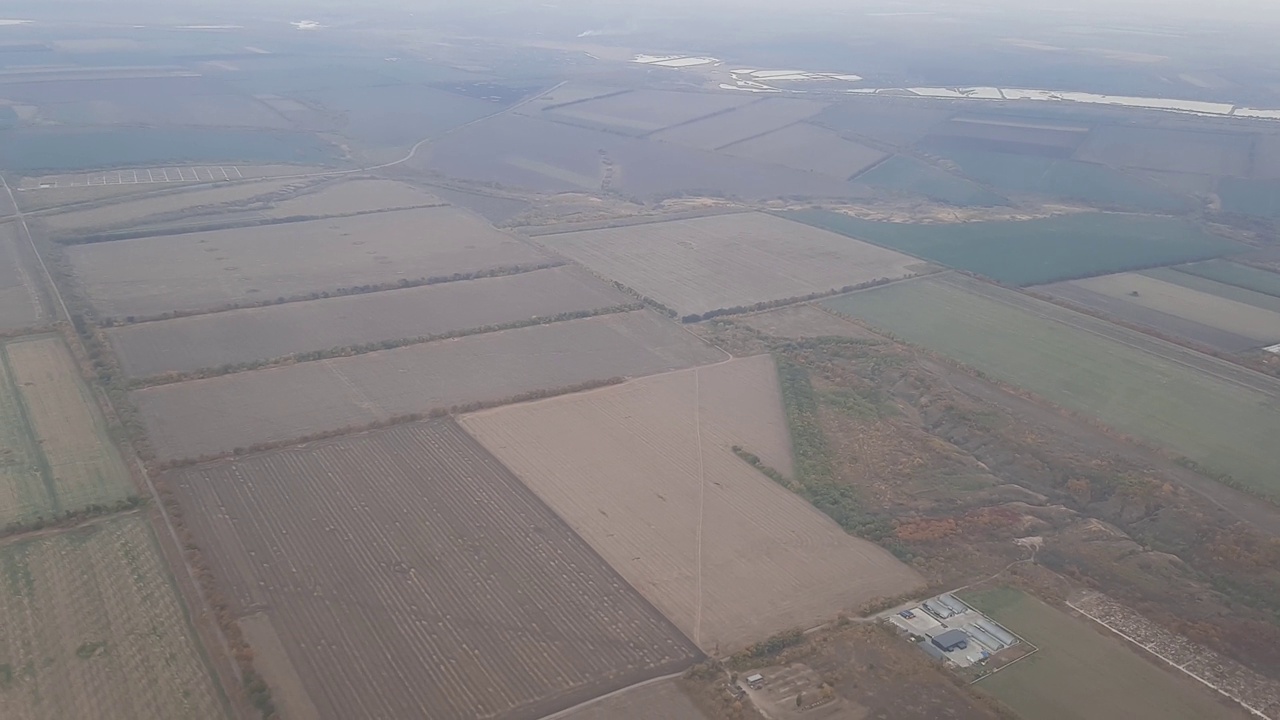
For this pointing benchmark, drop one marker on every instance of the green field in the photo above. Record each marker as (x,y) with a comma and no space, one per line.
(1260,198)
(1063,179)
(91,626)
(56,457)
(1081,674)
(23,493)
(1214,287)
(1241,276)
(1032,252)
(908,176)
(1219,415)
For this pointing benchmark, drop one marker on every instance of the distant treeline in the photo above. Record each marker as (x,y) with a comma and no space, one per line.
(771,304)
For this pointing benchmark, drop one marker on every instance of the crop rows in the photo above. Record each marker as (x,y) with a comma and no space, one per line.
(410,575)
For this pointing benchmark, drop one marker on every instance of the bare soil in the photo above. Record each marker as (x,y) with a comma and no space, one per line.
(645,473)
(408,574)
(205,417)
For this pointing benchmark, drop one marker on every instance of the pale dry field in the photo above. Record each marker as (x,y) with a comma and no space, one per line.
(407,574)
(24,495)
(728,261)
(91,627)
(196,271)
(645,473)
(1257,323)
(140,211)
(237,336)
(662,700)
(643,111)
(805,321)
(348,197)
(81,466)
(20,304)
(745,122)
(204,417)
(808,147)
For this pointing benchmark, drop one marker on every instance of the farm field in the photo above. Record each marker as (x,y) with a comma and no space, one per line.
(1241,276)
(810,148)
(59,458)
(804,321)
(1062,179)
(407,573)
(208,270)
(91,626)
(258,334)
(717,131)
(348,197)
(129,213)
(1081,674)
(657,700)
(515,151)
(204,417)
(1206,314)
(643,111)
(902,175)
(645,473)
(1031,252)
(1151,148)
(20,303)
(726,261)
(1221,416)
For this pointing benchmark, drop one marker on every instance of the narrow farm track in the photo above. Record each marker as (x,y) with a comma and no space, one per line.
(410,574)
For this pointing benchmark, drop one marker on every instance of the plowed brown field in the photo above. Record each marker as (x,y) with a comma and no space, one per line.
(645,473)
(197,271)
(205,417)
(408,574)
(237,336)
(726,261)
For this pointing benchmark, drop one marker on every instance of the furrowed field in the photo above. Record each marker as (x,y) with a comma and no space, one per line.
(91,626)
(55,455)
(257,334)
(1221,416)
(407,573)
(724,261)
(213,416)
(645,472)
(1030,252)
(1080,674)
(212,270)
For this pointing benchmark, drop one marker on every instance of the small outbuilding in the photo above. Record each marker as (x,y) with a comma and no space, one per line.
(951,640)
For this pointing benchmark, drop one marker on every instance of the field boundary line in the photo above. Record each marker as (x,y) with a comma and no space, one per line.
(53,288)
(702,494)
(651,681)
(1252,710)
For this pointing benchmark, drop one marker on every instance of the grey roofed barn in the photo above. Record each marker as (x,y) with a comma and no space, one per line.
(951,640)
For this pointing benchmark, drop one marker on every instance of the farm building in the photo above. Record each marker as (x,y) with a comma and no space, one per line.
(951,640)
